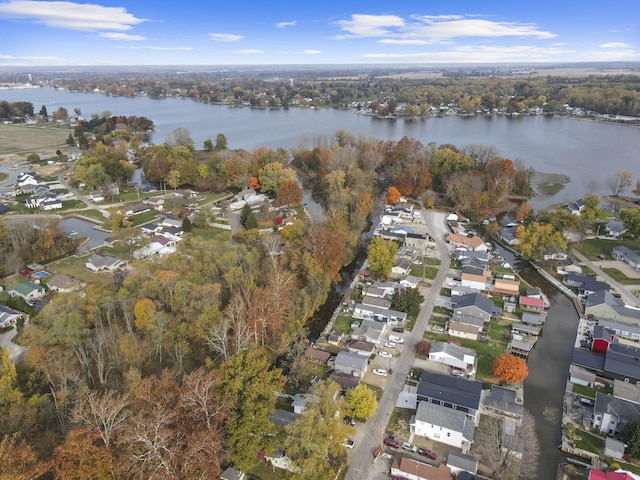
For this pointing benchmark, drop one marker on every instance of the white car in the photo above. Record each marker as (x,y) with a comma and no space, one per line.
(384,354)
(409,446)
(390,345)
(395,339)
(457,373)
(380,371)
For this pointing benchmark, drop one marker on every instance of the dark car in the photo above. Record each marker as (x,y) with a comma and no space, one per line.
(601,257)
(398,329)
(392,442)
(427,453)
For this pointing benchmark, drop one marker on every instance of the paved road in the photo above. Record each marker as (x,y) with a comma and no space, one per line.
(371,434)
(623,290)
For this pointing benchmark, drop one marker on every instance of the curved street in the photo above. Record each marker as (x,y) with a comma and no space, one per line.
(371,434)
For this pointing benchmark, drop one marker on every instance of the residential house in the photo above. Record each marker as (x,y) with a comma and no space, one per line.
(581,376)
(352,364)
(402,266)
(456,393)
(151,228)
(506,288)
(470,328)
(370,331)
(376,302)
(409,281)
(28,291)
(621,330)
(525,329)
(282,418)
(508,236)
(621,363)
(51,204)
(370,312)
(459,462)
(466,255)
(390,218)
(64,283)
(531,318)
(410,469)
(453,355)
(99,263)
(569,265)
(521,345)
(575,208)
(170,222)
(473,243)
(479,283)
(232,473)
(28,178)
(473,305)
(602,338)
(617,475)
(9,317)
(373,291)
(300,401)
(136,209)
(445,425)
(615,229)
(361,347)
(585,284)
(611,413)
(604,305)
(40,195)
(531,303)
(502,402)
(318,356)
(628,256)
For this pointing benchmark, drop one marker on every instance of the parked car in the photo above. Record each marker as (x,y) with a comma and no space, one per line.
(392,442)
(349,443)
(409,446)
(380,371)
(384,354)
(398,329)
(349,421)
(427,453)
(457,373)
(376,453)
(600,256)
(396,339)
(390,345)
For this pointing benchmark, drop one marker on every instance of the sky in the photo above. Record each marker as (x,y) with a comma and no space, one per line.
(351,32)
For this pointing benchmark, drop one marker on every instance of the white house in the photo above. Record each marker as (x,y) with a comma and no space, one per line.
(453,355)
(445,425)
(409,281)
(369,312)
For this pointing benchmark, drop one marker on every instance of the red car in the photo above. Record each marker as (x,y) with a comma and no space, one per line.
(392,442)
(427,453)
(376,453)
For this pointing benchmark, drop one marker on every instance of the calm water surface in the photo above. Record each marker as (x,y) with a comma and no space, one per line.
(585,151)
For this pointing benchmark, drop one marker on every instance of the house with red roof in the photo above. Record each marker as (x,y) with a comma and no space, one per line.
(532,303)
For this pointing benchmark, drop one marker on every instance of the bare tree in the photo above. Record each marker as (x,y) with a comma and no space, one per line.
(198,397)
(104,413)
(179,136)
(619,182)
(509,449)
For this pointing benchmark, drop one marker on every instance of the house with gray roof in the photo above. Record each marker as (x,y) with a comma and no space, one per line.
(9,317)
(611,414)
(352,364)
(628,256)
(402,266)
(615,228)
(502,402)
(369,312)
(474,305)
(409,281)
(585,284)
(99,263)
(456,393)
(621,329)
(376,302)
(621,363)
(604,305)
(232,473)
(459,462)
(64,283)
(531,318)
(361,347)
(282,418)
(453,355)
(445,425)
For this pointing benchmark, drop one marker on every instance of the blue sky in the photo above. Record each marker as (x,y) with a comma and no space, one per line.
(162,32)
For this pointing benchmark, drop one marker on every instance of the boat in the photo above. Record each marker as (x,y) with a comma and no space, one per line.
(72,233)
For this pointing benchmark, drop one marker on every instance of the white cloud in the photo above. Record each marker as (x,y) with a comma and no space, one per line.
(371,25)
(301,52)
(70,15)
(122,36)
(249,51)
(473,53)
(614,45)
(286,24)
(31,58)
(435,28)
(225,37)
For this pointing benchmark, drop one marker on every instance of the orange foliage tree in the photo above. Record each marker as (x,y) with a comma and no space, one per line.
(510,369)
(393,195)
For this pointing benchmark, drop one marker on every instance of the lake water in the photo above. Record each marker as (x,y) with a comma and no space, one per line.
(584,151)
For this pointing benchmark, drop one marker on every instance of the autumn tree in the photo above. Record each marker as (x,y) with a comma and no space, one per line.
(393,195)
(631,219)
(273,175)
(423,347)
(537,239)
(382,255)
(509,368)
(81,457)
(362,401)
(289,193)
(18,461)
(619,182)
(500,446)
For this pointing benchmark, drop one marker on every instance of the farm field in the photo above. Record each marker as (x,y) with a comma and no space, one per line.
(20,138)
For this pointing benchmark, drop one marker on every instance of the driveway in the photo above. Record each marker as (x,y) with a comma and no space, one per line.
(371,434)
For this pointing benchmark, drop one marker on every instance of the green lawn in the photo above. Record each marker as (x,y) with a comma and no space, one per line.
(618,276)
(211,233)
(75,266)
(497,330)
(423,271)
(593,247)
(591,392)
(95,214)
(343,323)
(589,442)
(445,292)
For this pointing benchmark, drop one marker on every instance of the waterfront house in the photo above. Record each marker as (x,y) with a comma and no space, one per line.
(531,303)
(453,355)
(502,402)
(604,305)
(445,425)
(456,393)
(459,462)
(614,229)
(611,413)
(474,305)
(506,288)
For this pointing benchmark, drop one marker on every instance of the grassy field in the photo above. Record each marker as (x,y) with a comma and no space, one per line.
(20,138)
(589,442)
(620,277)
(596,246)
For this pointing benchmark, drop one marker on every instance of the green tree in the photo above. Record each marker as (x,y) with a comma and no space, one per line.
(538,239)
(70,140)
(631,220)
(630,435)
(273,175)
(315,442)
(186,225)
(207,145)
(221,142)
(382,255)
(173,179)
(249,383)
(248,219)
(362,402)
(407,300)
